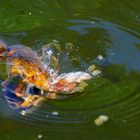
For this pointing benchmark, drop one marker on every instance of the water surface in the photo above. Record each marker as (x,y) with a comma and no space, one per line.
(106,27)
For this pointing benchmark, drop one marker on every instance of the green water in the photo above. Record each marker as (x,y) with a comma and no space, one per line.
(107,27)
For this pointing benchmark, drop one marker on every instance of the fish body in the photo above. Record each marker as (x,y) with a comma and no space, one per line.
(23,61)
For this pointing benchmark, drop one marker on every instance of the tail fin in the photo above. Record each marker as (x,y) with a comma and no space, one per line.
(67,82)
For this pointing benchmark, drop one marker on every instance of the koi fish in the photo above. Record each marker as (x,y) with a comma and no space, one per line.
(38,75)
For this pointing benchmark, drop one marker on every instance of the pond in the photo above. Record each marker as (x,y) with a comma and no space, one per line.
(110,28)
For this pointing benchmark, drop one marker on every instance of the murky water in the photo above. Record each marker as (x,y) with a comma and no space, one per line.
(101,27)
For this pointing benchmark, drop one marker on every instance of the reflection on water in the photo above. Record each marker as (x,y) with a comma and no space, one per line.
(123,49)
(93,30)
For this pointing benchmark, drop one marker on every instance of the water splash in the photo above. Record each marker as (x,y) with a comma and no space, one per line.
(37,77)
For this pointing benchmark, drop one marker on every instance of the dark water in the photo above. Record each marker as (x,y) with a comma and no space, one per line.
(107,27)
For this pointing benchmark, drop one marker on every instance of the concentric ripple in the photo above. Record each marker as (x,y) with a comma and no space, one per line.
(116,93)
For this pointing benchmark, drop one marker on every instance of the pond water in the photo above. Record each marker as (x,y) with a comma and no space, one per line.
(110,28)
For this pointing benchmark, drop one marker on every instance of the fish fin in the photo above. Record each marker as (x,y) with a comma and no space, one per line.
(67,82)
